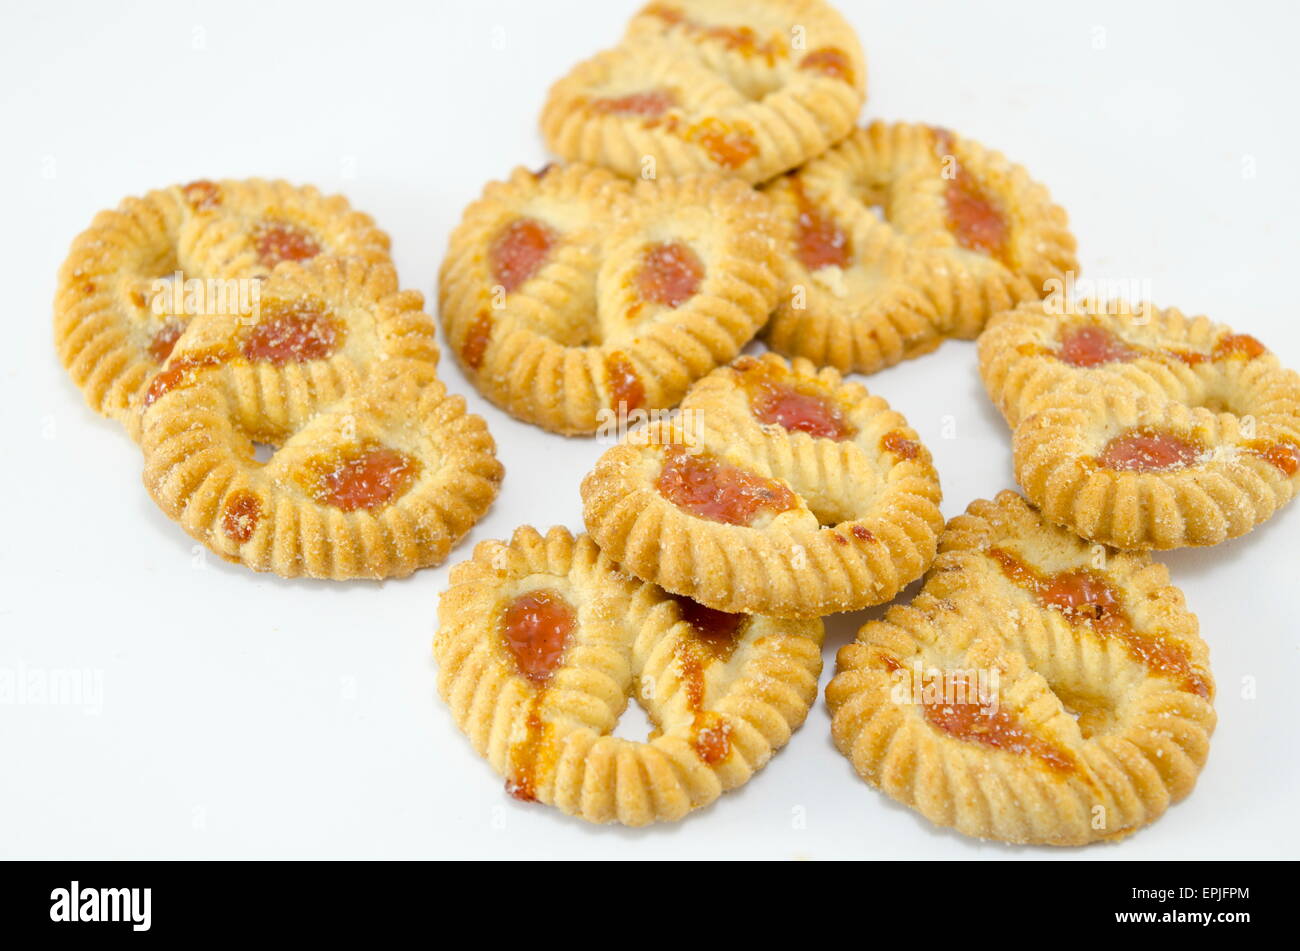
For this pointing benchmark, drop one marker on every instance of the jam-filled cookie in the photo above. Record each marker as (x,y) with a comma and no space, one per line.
(779,490)
(903,235)
(1038,690)
(569,295)
(373,471)
(750,88)
(119,308)
(1143,428)
(542,641)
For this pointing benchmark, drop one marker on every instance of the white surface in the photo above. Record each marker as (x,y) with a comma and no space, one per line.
(244,715)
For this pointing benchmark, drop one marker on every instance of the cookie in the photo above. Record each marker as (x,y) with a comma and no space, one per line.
(904,235)
(373,470)
(571,297)
(1038,690)
(119,309)
(750,89)
(542,640)
(1143,428)
(779,490)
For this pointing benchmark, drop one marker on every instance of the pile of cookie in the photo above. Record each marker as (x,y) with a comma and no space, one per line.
(1048,684)
(251,336)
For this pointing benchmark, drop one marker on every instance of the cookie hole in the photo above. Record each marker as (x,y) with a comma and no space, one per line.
(829,512)
(1095,715)
(262,452)
(873,196)
(634,724)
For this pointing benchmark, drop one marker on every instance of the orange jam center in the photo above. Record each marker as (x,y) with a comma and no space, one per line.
(160,347)
(707,487)
(1091,346)
(964,715)
(820,241)
(293,332)
(625,387)
(798,411)
(363,477)
(1283,456)
(202,195)
(536,628)
(900,445)
(714,636)
(670,274)
(519,251)
(1085,596)
(973,216)
(182,372)
(476,341)
(1230,345)
(278,241)
(240,515)
(1148,450)
(829,61)
(651,103)
(728,145)
(1243,345)
(716,630)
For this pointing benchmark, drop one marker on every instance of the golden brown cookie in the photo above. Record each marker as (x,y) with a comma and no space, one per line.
(750,88)
(1143,428)
(779,490)
(540,644)
(1039,689)
(569,295)
(903,235)
(120,307)
(374,470)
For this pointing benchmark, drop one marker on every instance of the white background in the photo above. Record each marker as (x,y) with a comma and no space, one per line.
(244,715)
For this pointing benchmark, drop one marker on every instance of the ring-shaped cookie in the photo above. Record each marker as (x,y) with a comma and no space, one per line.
(750,89)
(375,470)
(1142,428)
(903,235)
(779,490)
(570,295)
(118,310)
(1038,689)
(540,644)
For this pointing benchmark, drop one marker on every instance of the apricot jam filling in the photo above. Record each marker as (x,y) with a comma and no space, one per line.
(974,217)
(474,347)
(670,274)
(536,628)
(1149,450)
(961,713)
(1086,596)
(704,486)
(240,515)
(714,636)
(819,240)
(626,391)
(1090,346)
(829,61)
(651,103)
(519,251)
(278,241)
(294,331)
(365,477)
(162,342)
